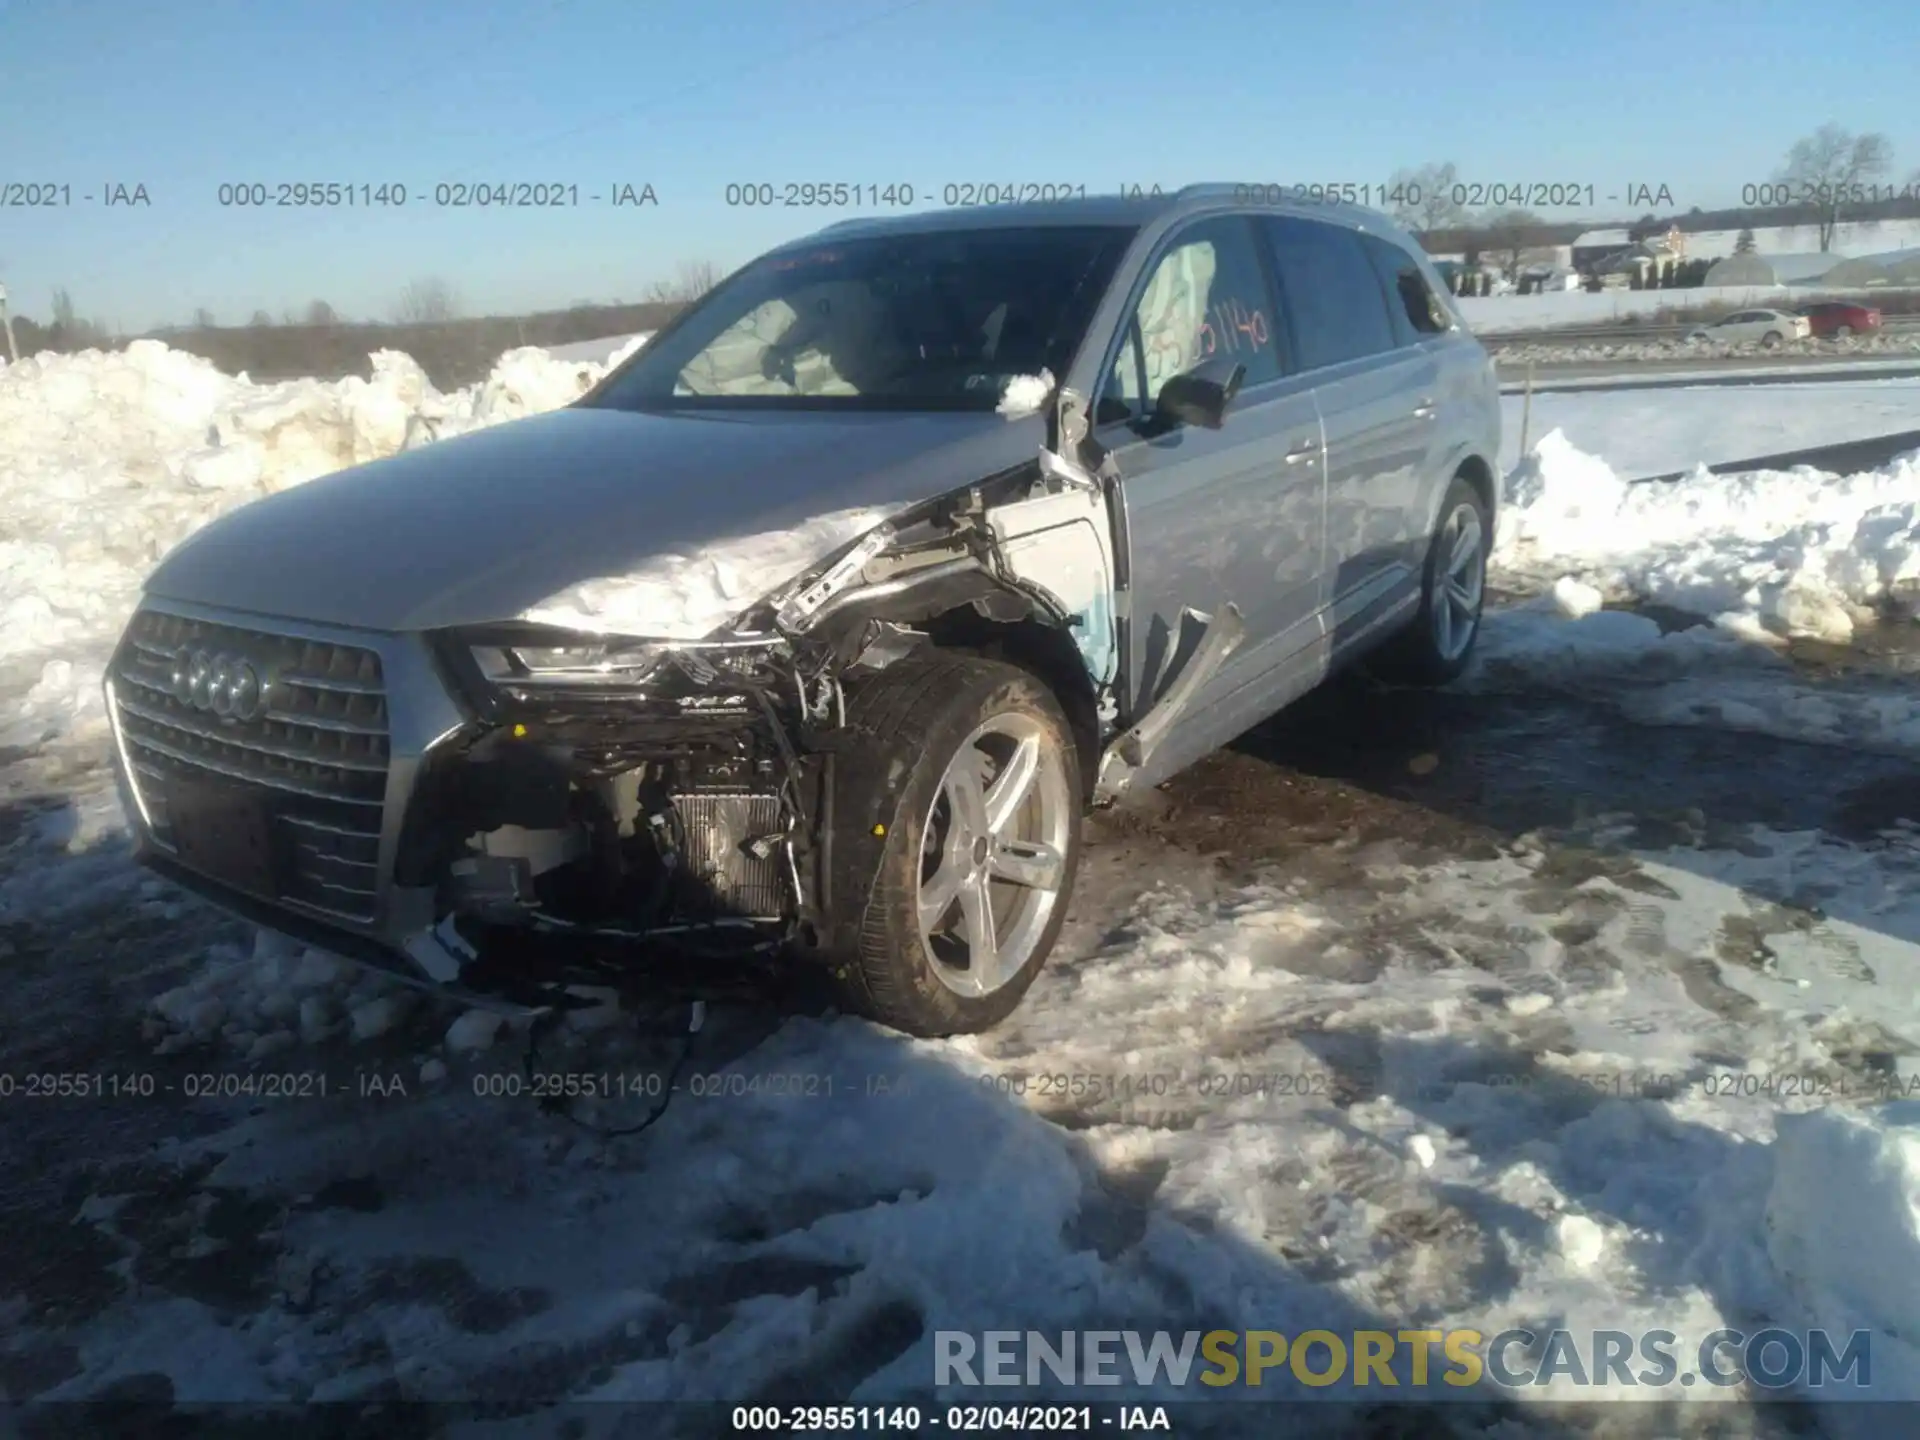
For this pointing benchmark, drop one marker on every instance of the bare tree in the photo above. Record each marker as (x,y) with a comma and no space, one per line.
(693,279)
(261,320)
(1423,199)
(69,332)
(1831,167)
(1744,242)
(203,319)
(426,302)
(1511,234)
(321,313)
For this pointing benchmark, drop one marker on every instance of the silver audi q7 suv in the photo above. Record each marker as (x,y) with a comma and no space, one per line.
(813,630)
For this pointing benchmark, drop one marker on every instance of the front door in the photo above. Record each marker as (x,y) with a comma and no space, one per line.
(1214,517)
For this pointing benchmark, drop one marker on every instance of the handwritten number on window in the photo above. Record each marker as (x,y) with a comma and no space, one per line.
(1230,325)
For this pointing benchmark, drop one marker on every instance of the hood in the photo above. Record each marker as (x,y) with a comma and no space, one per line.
(492,525)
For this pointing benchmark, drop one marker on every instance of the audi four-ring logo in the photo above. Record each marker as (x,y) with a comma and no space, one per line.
(224,685)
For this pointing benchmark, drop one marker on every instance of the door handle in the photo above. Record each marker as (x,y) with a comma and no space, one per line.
(1304,450)
(1424,410)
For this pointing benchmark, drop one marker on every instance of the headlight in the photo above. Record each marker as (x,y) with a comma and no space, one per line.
(529,660)
(592,662)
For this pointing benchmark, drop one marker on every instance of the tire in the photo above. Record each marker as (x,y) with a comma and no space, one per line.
(902,842)
(1771,339)
(1843,332)
(1425,653)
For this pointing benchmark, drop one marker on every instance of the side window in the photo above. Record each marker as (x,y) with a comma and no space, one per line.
(1207,297)
(1410,300)
(1330,289)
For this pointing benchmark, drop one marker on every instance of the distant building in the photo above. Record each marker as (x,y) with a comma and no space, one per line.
(1543,277)
(1593,247)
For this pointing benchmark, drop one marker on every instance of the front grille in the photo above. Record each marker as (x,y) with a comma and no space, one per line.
(318,749)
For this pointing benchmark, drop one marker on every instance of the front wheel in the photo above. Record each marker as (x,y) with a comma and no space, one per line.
(956,838)
(1437,645)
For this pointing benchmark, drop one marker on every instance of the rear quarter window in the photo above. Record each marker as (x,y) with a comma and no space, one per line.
(1415,310)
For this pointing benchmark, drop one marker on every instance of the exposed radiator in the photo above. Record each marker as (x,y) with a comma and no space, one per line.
(724,875)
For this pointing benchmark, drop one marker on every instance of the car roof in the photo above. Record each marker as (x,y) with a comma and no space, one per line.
(1132,209)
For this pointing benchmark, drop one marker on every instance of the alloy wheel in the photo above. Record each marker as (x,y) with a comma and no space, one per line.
(993,859)
(1459,582)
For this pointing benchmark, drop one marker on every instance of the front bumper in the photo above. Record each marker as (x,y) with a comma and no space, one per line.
(349,720)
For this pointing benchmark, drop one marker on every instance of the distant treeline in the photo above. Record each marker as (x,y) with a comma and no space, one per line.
(1519,229)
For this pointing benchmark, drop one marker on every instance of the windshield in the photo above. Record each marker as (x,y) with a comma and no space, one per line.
(939,320)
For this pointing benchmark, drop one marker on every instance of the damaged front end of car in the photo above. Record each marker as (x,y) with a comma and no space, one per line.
(618,803)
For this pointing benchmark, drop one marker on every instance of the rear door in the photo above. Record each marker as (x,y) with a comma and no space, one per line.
(1213,517)
(1376,385)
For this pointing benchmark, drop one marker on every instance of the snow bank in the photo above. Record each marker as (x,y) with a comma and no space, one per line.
(107,460)
(252,1004)
(1798,552)
(608,352)
(1843,1231)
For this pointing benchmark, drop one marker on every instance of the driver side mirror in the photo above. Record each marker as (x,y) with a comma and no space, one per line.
(1200,396)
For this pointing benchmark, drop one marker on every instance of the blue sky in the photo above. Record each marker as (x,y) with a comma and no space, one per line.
(690,97)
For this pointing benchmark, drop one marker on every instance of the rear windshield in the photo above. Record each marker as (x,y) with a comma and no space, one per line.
(931,321)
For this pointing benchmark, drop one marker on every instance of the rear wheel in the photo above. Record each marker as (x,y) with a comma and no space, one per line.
(1437,645)
(1771,339)
(1843,332)
(956,839)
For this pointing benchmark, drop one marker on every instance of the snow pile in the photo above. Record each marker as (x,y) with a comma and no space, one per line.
(1798,552)
(1025,394)
(686,596)
(1843,1231)
(108,460)
(610,351)
(252,1004)
(276,997)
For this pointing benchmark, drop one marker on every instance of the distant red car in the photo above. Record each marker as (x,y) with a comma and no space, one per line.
(1834,319)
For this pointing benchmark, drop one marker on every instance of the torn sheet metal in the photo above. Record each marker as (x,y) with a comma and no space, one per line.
(1062,544)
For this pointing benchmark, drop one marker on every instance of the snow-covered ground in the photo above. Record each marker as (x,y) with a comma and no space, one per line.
(1361,1078)
(1658,432)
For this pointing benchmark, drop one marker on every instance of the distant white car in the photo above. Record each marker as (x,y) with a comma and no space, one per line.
(1745,327)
